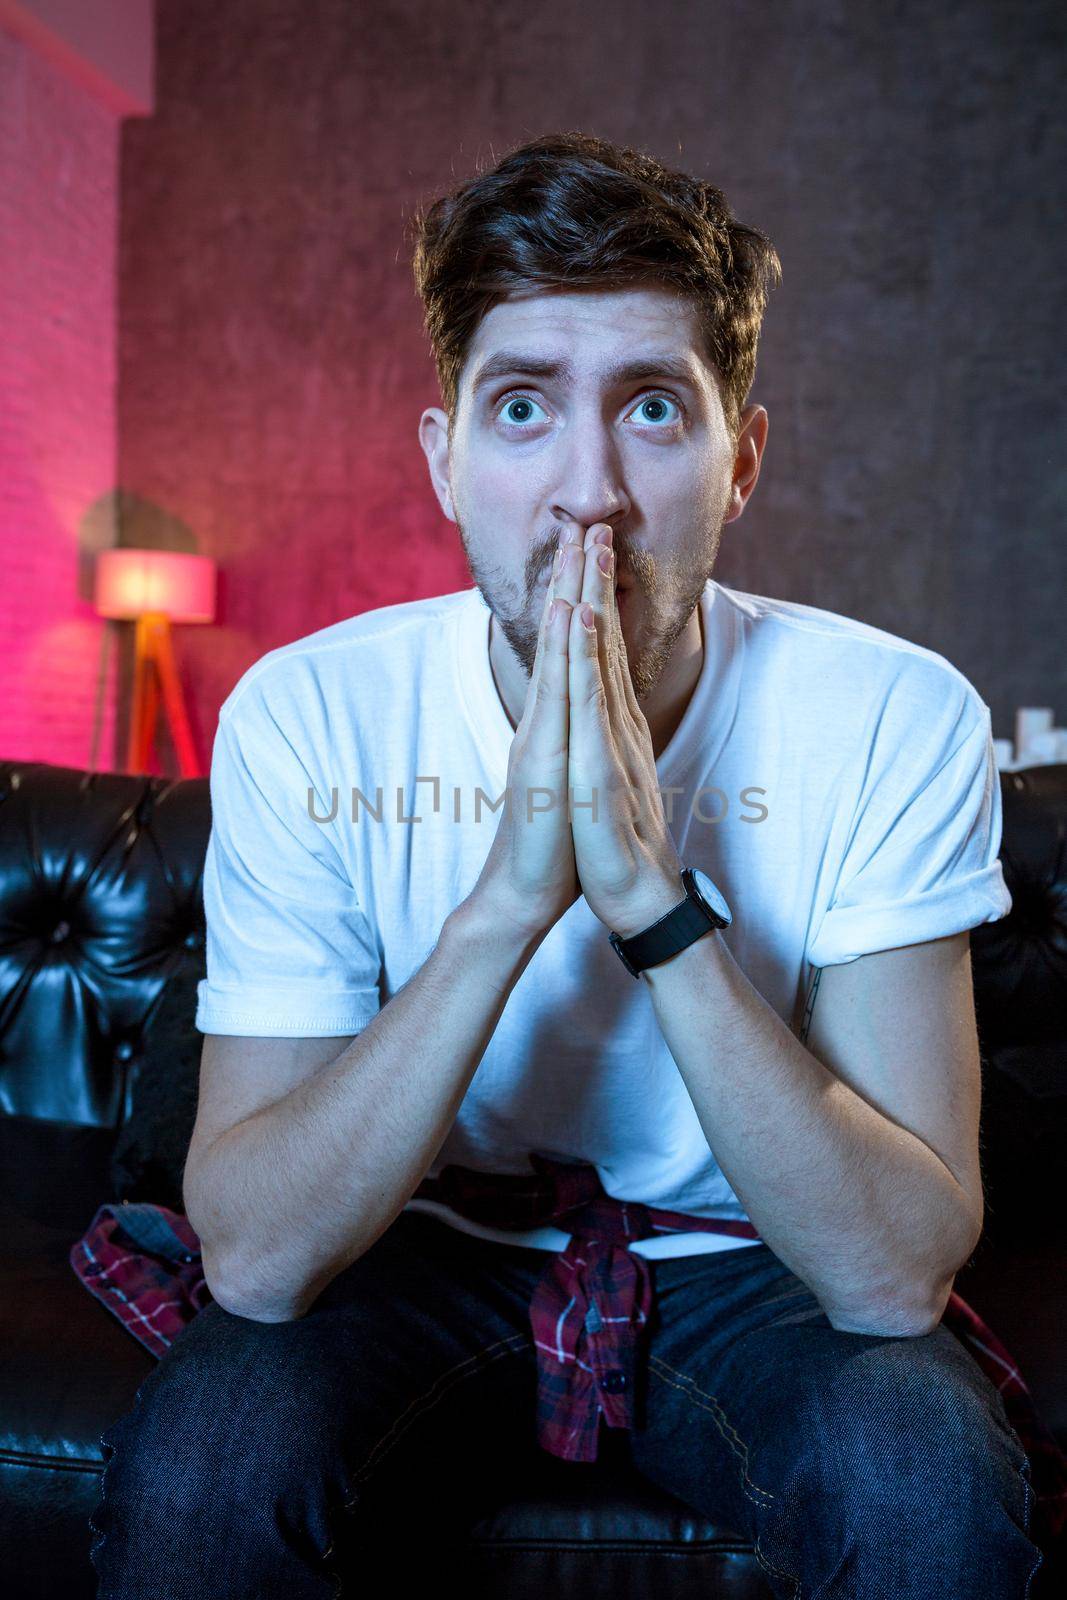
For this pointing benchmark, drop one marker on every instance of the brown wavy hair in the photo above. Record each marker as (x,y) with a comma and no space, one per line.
(570,210)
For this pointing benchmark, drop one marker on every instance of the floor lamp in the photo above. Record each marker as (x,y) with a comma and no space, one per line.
(154,588)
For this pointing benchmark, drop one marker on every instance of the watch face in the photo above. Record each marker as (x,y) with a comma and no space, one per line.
(711,895)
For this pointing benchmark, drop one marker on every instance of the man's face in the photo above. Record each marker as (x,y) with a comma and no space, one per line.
(535,455)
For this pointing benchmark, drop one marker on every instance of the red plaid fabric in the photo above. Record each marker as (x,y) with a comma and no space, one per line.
(587,1313)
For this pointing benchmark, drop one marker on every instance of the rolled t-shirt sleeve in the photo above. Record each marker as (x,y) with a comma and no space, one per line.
(922,860)
(289,948)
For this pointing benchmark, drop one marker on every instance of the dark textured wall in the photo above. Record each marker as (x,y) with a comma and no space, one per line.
(906,160)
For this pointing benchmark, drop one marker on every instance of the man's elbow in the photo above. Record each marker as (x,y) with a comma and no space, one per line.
(257,1310)
(921,1311)
(909,1317)
(938,1293)
(240,1300)
(919,1316)
(916,1307)
(903,1323)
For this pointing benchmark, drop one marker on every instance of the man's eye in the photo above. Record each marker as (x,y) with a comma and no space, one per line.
(659,401)
(519,406)
(518,401)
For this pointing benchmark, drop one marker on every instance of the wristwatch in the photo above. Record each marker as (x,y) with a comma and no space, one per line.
(702,909)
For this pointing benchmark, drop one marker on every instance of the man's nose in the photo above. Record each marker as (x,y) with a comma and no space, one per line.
(589,486)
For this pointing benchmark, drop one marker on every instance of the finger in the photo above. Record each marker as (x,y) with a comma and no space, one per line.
(565,587)
(568,576)
(598,590)
(548,700)
(632,703)
(625,729)
(627,691)
(542,642)
(615,647)
(590,728)
(614,655)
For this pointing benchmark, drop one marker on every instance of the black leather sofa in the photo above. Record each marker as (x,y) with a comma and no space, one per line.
(101,926)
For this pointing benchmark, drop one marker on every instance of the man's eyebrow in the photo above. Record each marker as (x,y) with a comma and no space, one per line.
(655,364)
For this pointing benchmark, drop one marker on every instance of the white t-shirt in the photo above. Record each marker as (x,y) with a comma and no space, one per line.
(836,782)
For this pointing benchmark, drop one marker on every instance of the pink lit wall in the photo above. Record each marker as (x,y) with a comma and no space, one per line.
(58,283)
(69,71)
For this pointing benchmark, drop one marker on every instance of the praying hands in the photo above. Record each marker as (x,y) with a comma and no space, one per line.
(584,813)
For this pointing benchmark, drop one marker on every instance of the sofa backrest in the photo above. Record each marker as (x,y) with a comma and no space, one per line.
(101,901)
(101,904)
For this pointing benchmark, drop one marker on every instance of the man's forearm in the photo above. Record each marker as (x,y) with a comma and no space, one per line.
(859,1208)
(291,1196)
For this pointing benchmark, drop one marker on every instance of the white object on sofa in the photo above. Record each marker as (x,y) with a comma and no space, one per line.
(1037,742)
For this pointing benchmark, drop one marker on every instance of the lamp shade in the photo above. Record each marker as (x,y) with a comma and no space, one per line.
(130,583)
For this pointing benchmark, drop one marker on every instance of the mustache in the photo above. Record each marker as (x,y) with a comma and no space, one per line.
(539,570)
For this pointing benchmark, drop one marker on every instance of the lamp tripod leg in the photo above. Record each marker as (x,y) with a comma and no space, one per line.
(174,702)
(139,737)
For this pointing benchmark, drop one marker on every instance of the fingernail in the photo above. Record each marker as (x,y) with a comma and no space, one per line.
(605,559)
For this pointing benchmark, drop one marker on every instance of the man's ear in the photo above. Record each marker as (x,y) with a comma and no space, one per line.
(433,436)
(751,443)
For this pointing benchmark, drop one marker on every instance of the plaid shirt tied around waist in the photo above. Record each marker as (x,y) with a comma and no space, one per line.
(594,1297)
(588,1312)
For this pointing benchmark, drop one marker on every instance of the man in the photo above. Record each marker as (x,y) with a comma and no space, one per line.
(713,950)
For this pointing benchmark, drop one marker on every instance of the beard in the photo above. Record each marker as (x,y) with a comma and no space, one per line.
(662,600)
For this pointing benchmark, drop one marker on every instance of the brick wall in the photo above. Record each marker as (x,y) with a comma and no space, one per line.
(58,282)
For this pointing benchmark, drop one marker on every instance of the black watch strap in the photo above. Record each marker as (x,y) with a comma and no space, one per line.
(674,931)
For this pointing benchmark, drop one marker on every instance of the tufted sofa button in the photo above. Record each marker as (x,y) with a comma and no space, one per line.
(60,931)
(192,941)
(123,1050)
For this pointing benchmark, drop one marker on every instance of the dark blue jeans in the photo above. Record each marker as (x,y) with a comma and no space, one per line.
(858,1466)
